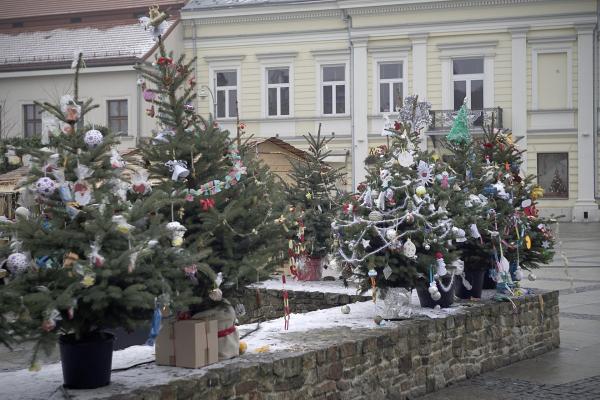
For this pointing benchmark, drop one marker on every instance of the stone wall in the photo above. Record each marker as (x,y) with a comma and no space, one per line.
(403,359)
(264,304)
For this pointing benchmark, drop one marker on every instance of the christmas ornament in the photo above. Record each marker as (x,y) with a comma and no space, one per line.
(116,161)
(444,180)
(387,272)
(372,276)
(176,232)
(391,234)
(93,138)
(243,347)
(45,186)
(375,216)
(406,159)
(140,183)
(3,273)
(22,212)
(88,280)
(475,232)
(409,249)
(441,264)
(17,263)
(345,309)
(424,171)
(434,292)
(122,225)
(420,191)
(546,244)
(70,109)
(519,273)
(216,294)
(378,319)
(531,276)
(12,157)
(387,126)
(69,259)
(95,257)
(527,240)
(179,169)
(460,236)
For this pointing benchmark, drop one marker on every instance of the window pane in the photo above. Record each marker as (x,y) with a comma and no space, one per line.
(477,94)
(334,73)
(384,97)
(340,99)
(279,75)
(553,174)
(397,94)
(460,89)
(113,108)
(468,66)
(233,103)
(29,129)
(220,104)
(123,108)
(272,101)
(285,101)
(327,100)
(227,78)
(390,71)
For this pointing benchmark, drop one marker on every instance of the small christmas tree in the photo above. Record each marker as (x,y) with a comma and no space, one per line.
(459,133)
(522,238)
(220,196)
(557,185)
(82,257)
(315,194)
(393,233)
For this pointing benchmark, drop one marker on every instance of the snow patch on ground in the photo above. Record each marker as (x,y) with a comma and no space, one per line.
(309,286)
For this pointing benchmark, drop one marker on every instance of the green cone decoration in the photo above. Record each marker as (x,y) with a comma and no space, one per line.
(460,128)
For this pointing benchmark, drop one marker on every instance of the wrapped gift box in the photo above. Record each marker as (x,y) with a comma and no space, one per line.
(188,343)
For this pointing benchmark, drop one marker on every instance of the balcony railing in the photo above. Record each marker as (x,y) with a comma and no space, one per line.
(441,120)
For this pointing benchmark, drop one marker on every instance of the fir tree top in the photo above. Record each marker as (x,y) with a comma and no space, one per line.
(460,128)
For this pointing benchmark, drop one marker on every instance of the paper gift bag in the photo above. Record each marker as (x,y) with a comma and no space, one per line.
(187,344)
(229,338)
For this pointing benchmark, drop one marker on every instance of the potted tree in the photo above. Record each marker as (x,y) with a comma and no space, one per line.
(314,193)
(82,258)
(395,230)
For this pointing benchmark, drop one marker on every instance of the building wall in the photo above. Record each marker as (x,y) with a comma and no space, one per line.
(301,34)
(99,83)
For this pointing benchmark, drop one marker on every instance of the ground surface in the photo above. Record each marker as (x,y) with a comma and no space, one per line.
(573,371)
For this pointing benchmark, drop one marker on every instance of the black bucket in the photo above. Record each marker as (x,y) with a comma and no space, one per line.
(444,302)
(475,278)
(86,363)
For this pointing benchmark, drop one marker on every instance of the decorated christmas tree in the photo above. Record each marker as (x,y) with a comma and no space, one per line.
(220,196)
(395,230)
(314,193)
(522,238)
(82,257)
(557,185)
(469,208)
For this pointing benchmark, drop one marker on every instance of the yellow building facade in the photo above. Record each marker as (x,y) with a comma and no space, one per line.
(285,66)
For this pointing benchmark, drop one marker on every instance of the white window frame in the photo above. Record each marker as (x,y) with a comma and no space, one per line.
(541,47)
(467,78)
(334,85)
(329,58)
(276,61)
(388,56)
(219,64)
(452,51)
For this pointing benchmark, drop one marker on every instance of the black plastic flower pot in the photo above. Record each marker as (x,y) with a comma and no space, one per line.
(86,363)
(488,282)
(475,278)
(444,302)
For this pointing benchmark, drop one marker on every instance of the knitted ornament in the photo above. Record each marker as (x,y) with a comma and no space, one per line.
(17,263)
(459,133)
(45,186)
(93,138)
(441,264)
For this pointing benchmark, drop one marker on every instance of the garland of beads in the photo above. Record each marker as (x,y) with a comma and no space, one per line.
(232,178)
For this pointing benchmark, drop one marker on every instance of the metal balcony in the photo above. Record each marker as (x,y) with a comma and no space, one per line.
(441,120)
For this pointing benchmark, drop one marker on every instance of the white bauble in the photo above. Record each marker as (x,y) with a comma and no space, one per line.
(45,186)
(93,138)
(436,296)
(23,212)
(531,276)
(409,249)
(391,234)
(345,309)
(17,263)
(519,274)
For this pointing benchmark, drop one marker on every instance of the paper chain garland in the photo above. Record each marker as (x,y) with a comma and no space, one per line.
(231,179)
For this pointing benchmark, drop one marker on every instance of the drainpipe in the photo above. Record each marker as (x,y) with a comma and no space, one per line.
(348,20)
(596,99)
(138,106)
(194,38)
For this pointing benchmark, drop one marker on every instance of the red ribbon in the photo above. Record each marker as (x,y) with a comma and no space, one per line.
(207,204)
(227,331)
